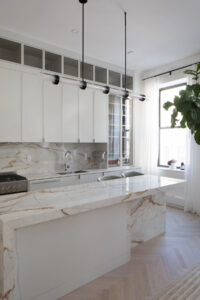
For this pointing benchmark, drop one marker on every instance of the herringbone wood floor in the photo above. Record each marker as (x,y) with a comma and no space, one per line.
(154,264)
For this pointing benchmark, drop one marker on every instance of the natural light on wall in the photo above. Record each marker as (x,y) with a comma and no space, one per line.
(172,141)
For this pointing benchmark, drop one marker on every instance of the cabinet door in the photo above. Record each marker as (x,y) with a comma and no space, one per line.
(52,112)
(10,106)
(32,108)
(86,116)
(70,113)
(100,117)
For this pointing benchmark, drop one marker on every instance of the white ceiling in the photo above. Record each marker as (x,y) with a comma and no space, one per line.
(159,31)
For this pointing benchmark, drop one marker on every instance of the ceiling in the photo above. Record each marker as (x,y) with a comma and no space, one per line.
(159,31)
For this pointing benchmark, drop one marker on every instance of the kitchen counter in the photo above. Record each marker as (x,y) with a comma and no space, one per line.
(132,207)
(51,175)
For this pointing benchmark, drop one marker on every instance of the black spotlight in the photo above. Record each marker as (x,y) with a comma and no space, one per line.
(56,79)
(142,98)
(106,90)
(83,85)
(126,95)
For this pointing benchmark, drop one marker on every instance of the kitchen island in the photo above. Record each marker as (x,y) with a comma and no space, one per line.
(54,241)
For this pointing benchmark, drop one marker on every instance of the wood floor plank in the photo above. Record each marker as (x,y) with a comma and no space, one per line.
(153,266)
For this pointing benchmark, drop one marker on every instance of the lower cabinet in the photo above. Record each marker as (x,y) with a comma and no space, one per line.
(35,185)
(87,178)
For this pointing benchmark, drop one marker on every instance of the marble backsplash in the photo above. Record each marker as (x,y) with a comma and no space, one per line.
(35,158)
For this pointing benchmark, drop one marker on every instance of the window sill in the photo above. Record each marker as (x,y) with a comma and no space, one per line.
(171,170)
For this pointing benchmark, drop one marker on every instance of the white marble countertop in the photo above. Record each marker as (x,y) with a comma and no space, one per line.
(44,205)
(50,175)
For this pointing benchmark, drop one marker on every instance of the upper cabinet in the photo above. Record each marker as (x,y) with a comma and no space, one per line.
(100,117)
(10,105)
(70,113)
(52,112)
(86,116)
(32,108)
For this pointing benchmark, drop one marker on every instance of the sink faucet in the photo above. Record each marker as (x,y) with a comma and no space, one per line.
(68,155)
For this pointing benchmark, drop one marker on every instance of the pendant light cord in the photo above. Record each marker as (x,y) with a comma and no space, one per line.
(83,42)
(125,26)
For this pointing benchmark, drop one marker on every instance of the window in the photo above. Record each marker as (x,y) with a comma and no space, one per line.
(120,131)
(172,141)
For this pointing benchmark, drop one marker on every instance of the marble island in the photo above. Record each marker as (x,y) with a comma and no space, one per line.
(53,241)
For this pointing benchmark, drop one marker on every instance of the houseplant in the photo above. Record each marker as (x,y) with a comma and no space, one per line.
(188,104)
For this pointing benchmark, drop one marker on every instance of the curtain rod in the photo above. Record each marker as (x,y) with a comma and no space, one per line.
(170,71)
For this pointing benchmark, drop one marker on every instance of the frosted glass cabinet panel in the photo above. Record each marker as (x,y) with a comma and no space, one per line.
(32,108)
(114,130)
(100,75)
(32,57)
(10,51)
(70,113)
(127,108)
(114,78)
(88,71)
(71,67)
(129,82)
(10,106)
(52,112)
(53,62)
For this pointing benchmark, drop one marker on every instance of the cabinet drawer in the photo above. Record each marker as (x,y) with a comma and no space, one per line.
(44,184)
(86,178)
(70,180)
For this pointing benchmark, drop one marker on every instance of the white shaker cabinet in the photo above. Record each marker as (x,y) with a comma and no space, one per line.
(70,113)
(52,112)
(86,116)
(100,117)
(32,108)
(10,105)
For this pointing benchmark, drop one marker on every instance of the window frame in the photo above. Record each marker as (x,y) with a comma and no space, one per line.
(159,119)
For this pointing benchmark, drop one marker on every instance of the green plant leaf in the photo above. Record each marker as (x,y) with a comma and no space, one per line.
(197,136)
(190,72)
(173,118)
(198,67)
(183,123)
(167,105)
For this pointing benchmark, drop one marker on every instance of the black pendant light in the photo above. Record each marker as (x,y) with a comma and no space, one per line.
(83,85)
(126,93)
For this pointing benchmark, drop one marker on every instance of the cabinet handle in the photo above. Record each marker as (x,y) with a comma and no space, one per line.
(45,181)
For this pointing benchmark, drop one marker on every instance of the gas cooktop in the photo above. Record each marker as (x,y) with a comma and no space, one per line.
(11,182)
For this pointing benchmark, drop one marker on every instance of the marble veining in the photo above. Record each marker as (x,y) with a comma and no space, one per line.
(144,198)
(47,158)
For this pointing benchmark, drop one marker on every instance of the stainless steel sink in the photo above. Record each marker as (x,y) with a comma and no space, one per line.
(74,172)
